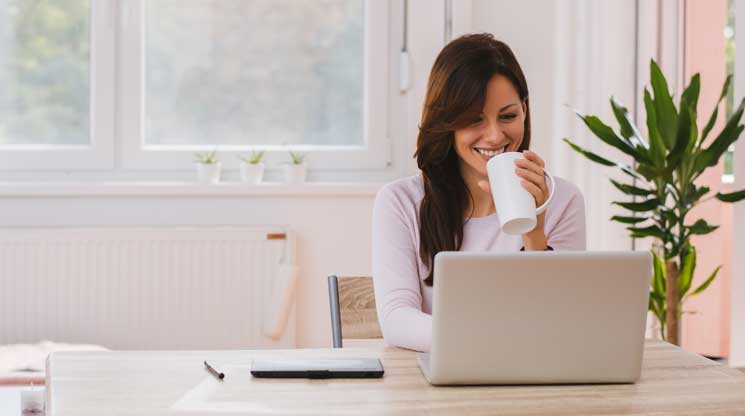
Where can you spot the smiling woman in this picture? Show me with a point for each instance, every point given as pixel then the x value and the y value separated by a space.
pixel 476 107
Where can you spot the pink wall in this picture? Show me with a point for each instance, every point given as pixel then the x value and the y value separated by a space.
pixel 707 330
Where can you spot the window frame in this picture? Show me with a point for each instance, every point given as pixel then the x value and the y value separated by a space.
pixel 375 154
pixel 99 153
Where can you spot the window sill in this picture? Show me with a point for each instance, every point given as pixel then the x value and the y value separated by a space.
pixel 159 189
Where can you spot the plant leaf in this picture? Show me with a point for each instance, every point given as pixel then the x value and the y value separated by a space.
pixel 628 128
pixel 628 220
pixel 731 132
pixel 667 116
pixel 647 205
pixel 691 93
pixel 607 135
pixel 668 215
pixel 656 144
pixel 603 161
pixel 707 282
pixel 688 266
pixel 660 275
pixel 592 156
pixel 651 231
pixel 631 190
pixel 701 227
pixel 686 134
pixel 731 196
pixel 697 193
pixel 656 296
pixel 713 118
pixel 657 305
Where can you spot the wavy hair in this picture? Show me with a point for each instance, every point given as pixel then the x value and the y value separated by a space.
pixel 455 98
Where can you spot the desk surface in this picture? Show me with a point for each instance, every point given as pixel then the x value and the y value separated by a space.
pixel 152 383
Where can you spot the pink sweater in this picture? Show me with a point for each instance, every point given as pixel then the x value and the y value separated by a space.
pixel 404 302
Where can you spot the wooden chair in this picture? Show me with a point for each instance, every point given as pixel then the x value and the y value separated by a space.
pixel 353 313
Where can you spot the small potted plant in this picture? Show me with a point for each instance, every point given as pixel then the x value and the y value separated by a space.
pixel 208 167
pixel 252 167
pixel 296 171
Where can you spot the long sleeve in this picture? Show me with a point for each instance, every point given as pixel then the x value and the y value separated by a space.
pixel 566 230
pixel 395 275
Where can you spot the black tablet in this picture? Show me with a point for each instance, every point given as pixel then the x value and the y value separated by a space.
pixel 321 368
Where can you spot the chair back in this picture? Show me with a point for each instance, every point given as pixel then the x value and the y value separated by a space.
pixel 353 313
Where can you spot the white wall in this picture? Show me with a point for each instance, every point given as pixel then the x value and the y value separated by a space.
pixel 333 229
pixel 575 55
pixel 574 52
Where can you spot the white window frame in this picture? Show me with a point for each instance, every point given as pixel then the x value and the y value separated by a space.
pixel 375 154
pixel 99 154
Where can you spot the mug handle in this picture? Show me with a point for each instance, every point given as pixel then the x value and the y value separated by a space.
pixel 552 188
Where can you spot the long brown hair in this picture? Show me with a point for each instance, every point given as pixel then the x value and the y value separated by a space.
pixel 455 98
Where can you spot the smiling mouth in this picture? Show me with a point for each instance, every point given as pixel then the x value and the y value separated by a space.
pixel 489 153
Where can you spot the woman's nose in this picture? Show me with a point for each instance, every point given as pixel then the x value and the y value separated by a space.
pixel 494 133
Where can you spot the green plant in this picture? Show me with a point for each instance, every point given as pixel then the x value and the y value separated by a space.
pixel 297 157
pixel 667 164
pixel 255 157
pixel 207 158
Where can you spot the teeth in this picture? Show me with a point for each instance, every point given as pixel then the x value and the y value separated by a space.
pixel 490 153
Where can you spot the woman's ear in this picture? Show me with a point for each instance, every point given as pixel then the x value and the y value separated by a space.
pixel 525 105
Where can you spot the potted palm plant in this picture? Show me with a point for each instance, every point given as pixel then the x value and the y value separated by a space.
pixel 208 167
pixel 252 167
pixel 667 163
pixel 296 171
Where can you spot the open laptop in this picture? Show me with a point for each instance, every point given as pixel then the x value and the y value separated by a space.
pixel 538 317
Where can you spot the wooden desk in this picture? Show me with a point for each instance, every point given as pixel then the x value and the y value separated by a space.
pixel 150 383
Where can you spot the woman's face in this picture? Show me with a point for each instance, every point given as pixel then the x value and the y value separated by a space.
pixel 500 128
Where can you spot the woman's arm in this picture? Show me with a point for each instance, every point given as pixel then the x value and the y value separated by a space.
pixel 395 273
pixel 565 227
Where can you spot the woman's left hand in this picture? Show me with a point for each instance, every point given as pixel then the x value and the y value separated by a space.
pixel 530 170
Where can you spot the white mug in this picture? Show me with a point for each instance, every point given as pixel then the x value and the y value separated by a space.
pixel 515 205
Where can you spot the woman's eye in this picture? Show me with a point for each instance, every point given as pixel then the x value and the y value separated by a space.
pixel 477 121
pixel 508 117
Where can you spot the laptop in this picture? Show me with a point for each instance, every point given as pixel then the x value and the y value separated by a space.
pixel 538 318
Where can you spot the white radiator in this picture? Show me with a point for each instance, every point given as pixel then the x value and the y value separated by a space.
pixel 148 288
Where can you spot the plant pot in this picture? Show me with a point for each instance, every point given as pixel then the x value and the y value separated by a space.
pixel 208 173
pixel 295 173
pixel 252 172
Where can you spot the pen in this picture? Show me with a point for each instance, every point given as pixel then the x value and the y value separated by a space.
pixel 214 372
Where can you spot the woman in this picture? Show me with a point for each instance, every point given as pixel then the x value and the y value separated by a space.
pixel 476 107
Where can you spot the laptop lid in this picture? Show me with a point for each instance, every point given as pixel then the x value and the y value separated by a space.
pixel 539 317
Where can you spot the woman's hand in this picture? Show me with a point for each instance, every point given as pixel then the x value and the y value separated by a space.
pixel 530 170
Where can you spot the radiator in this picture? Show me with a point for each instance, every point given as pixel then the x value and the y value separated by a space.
pixel 148 288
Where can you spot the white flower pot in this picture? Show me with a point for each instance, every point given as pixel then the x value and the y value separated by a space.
pixel 295 173
pixel 208 173
pixel 252 172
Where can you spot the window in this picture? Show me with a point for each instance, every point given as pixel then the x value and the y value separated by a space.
pixel 44 71
pixel 49 82
pixel 257 74
pixel 260 72
pixel 142 84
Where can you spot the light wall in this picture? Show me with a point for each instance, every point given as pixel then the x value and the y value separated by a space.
pixel 333 231
pixel 576 53
pixel 333 228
